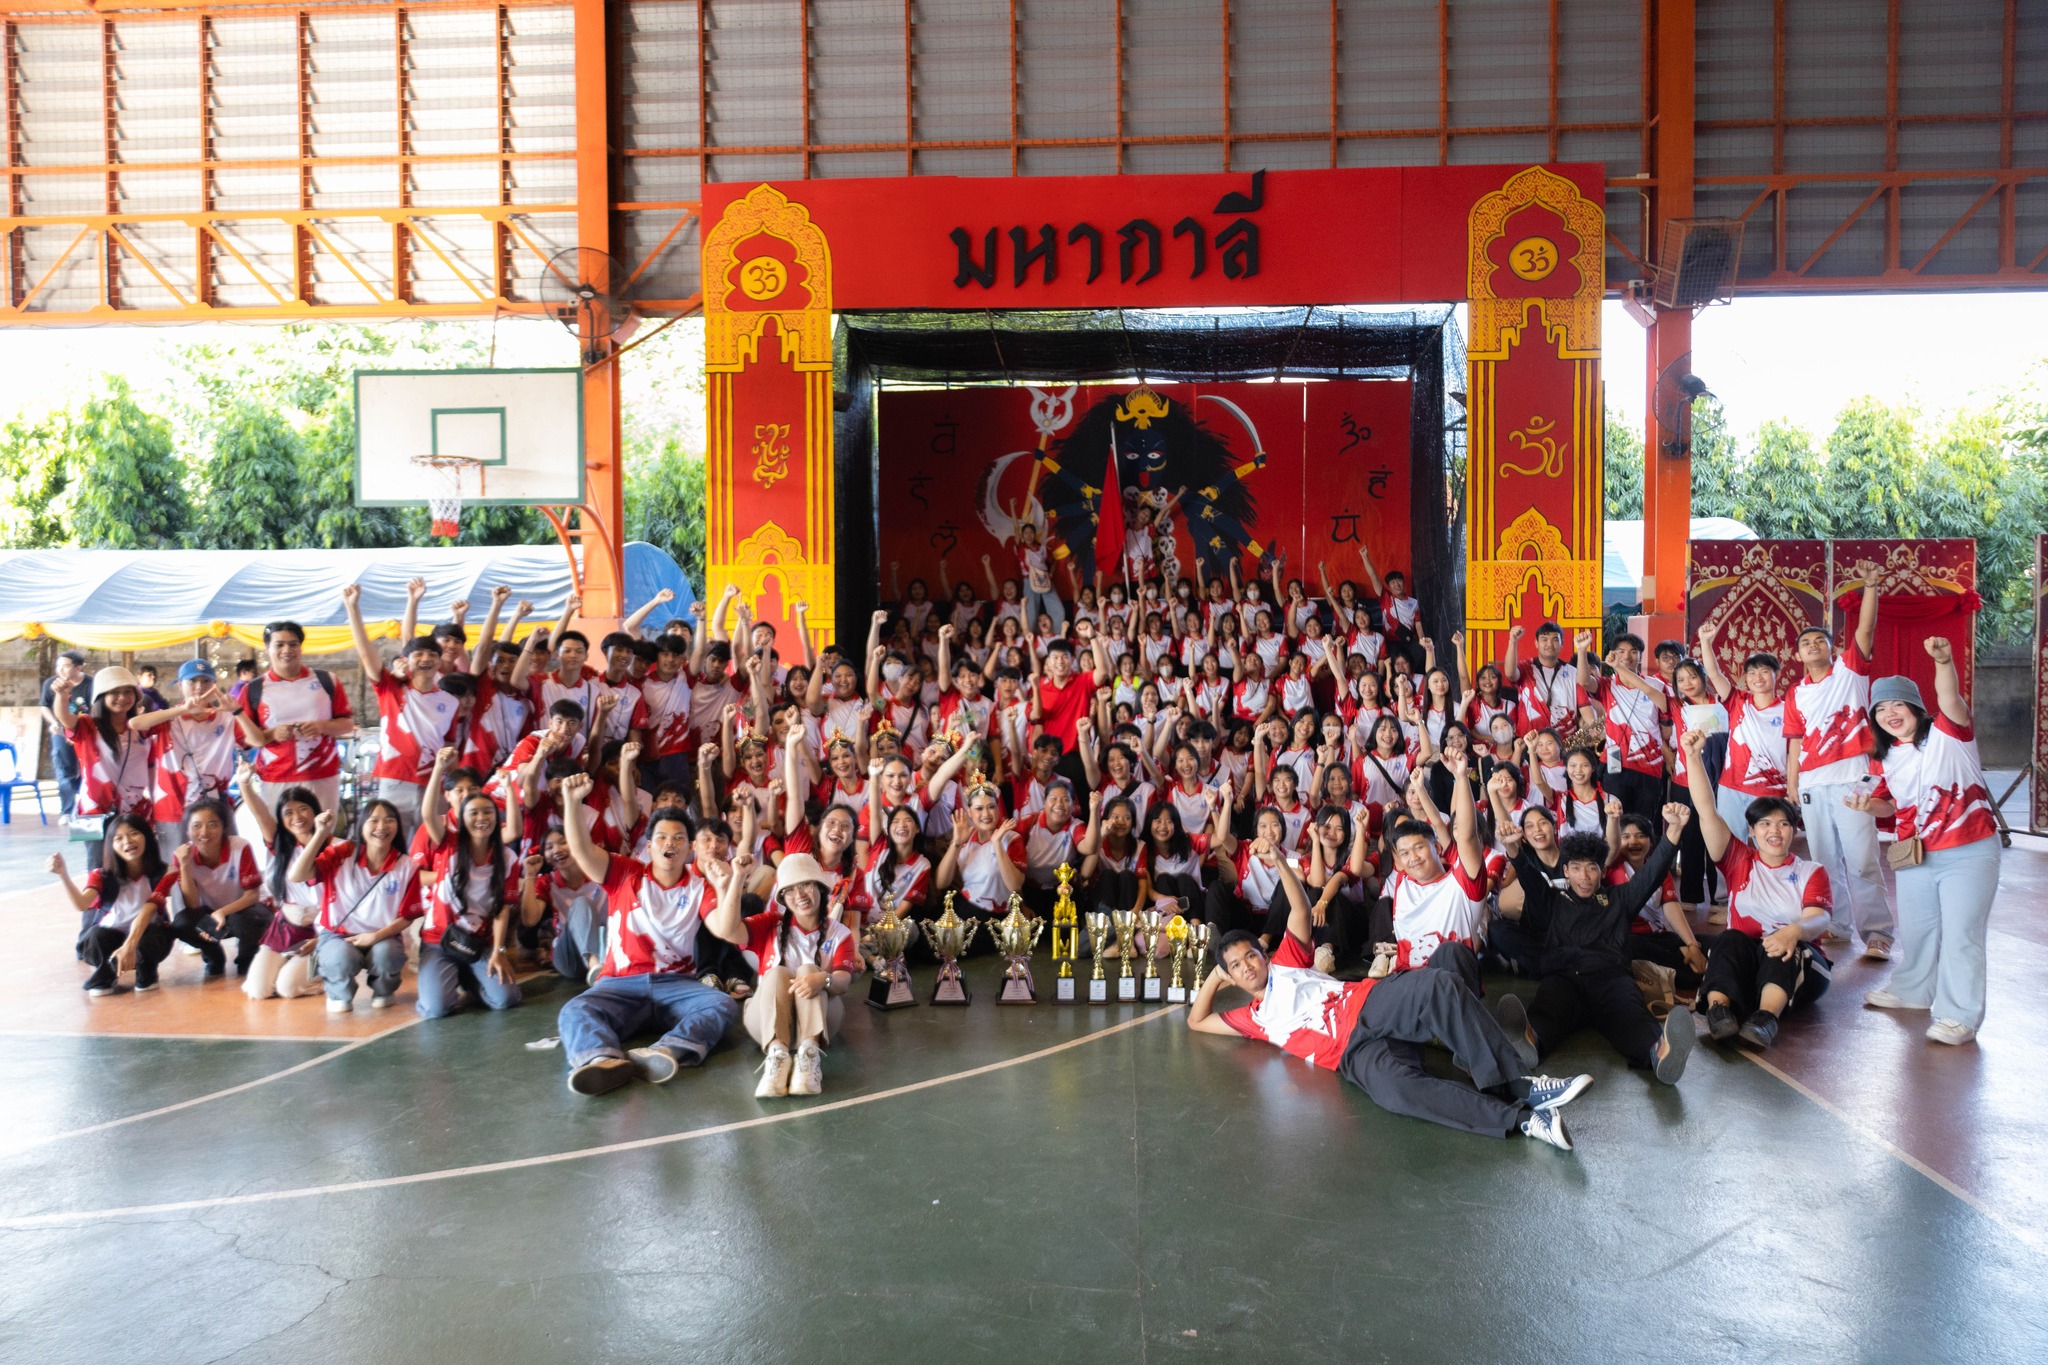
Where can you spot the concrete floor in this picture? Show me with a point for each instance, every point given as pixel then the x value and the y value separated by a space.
pixel 1073 1184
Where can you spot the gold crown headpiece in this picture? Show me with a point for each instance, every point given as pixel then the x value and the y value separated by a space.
pixel 1142 407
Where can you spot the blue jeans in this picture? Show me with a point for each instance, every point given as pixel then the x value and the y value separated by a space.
pixel 578 937
pixel 693 1017
pixel 64 764
pixel 1944 906
pixel 441 976
pixel 341 960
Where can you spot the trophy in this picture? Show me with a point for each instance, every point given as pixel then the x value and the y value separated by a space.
pixel 1098 939
pixel 949 936
pixel 1066 938
pixel 1198 940
pixel 1127 952
pixel 1153 985
pixel 884 942
pixel 1015 937
pixel 1177 934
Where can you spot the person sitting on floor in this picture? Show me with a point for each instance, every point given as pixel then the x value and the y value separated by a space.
pixel 128 929
pixel 369 890
pixel 1584 929
pixel 473 902
pixel 1372 1032
pixel 283 965
pixel 804 959
pixel 1768 959
pixel 217 893
pixel 649 972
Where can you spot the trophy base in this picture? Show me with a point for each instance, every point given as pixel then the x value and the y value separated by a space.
pixel 1176 995
pixel 1127 988
pixel 1098 992
pixel 951 991
pixel 1153 987
pixel 891 993
pixel 1017 992
pixel 1063 990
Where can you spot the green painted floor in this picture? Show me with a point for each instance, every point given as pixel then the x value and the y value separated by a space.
pixel 1147 1195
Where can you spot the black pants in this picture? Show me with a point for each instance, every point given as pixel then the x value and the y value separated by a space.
pixel 1639 794
pixel 1739 968
pixel 1344 930
pixel 1114 891
pixel 97 946
pixel 1666 949
pixel 1608 1001
pixel 245 927
pixel 1696 876
pixel 1210 904
pixel 716 957
pixel 1384 1055
pixel 1232 912
pixel 1515 948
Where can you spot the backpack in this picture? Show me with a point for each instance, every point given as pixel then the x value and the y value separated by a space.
pixel 252 695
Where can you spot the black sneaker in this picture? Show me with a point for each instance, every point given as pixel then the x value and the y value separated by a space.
pixel 1721 1025
pixel 103 981
pixel 1677 1045
pixel 1761 1030
pixel 600 1075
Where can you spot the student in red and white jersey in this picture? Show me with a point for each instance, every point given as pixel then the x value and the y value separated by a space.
pixel 125 928
pixel 369 890
pixel 1768 959
pixel 649 973
pixel 419 718
pixel 192 748
pixel 1372 1032
pixel 293 714
pixel 1053 838
pixel 475 896
pixel 502 712
pixel 1660 932
pixel 898 872
pixel 664 713
pixel 214 891
pixel 1547 691
pixel 1439 910
pixel 1755 765
pixel 1258 885
pixel 985 860
pixel 1061 695
pixel 1632 709
pixel 805 959
pixel 1933 784
pixel 554 892
pixel 616 697
pixel 1827 743
pixel 113 759
pixel 1251 696
pixel 559 738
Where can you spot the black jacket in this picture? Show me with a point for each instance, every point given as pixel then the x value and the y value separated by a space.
pixel 1587 936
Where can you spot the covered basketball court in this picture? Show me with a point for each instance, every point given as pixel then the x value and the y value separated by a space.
pixel 852 196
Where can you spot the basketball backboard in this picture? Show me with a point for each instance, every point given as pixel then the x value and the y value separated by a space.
pixel 524 428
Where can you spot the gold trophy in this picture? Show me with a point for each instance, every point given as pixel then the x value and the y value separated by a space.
pixel 949 936
pixel 884 942
pixel 1015 937
pixel 1066 938
pixel 1154 988
pixel 1198 940
pixel 1127 952
pixel 1098 939
pixel 1177 935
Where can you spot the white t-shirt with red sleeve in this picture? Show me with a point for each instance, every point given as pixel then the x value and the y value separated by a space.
pixel 1303 1011
pixel 126 904
pixel 1635 723
pixel 1046 848
pixel 113 779
pixel 1547 698
pixel 910 880
pixel 653 928
pixel 980 880
pixel 1756 747
pixel 664 714
pixel 1939 787
pixel 193 759
pixel 770 944
pixel 298 701
pixel 1762 898
pixel 416 726
pixel 231 875
pixel 1831 721
pixel 1427 915
pixel 477 906
pixel 355 899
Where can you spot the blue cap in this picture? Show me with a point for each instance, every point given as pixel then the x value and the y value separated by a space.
pixel 195 668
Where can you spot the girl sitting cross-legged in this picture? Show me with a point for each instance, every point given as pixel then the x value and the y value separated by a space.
pixel 128 931
pixel 474 900
pixel 368 890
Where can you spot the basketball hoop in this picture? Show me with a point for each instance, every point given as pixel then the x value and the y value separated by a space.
pixel 445 474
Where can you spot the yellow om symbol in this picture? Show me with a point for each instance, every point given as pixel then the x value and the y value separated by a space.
pixel 1548 461
pixel 771 453
pixel 762 278
pixel 1532 258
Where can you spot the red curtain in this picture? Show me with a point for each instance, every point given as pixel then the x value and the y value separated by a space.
pixel 1903 623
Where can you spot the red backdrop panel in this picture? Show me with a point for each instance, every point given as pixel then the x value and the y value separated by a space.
pixel 1929 588
pixel 1336 474
pixel 1759 594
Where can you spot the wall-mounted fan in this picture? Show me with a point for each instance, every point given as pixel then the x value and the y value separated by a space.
pixel 584 289
pixel 1677 389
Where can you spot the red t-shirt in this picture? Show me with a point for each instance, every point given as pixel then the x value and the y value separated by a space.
pixel 1062 706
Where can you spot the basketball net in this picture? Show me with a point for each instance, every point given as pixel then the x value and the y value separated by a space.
pixel 444 474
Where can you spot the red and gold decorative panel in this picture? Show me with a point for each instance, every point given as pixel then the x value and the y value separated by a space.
pixel 1928 588
pixel 1758 594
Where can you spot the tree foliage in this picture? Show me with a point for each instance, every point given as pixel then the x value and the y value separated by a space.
pixel 129 491
pixel 1623 469
pixel 1872 472
pixel 1778 486
pixel 665 504
pixel 251 493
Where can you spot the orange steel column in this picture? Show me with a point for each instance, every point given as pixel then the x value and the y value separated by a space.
pixel 604 483
pixel 1667 477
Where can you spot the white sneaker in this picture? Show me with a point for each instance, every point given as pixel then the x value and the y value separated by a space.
pixel 339 1006
pixel 380 1002
pixel 1326 959
pixel 1547 1125
pixel 774 1074
pixel 1383 957
pixel 1885 1000
pixel 1950 1031
pixel 808 1077
pixel 1878 947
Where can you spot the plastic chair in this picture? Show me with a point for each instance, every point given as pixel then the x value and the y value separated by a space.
pixel 10 778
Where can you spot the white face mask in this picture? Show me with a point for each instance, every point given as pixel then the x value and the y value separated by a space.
pixel 892 672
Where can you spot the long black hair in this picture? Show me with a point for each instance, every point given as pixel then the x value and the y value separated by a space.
pixel 1883 739
pixel 284 845
pixel 113 872
pixel 885 870
pixel 459 865
pixel 782 953
pixel 1178 845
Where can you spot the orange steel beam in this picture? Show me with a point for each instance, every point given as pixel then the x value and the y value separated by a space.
pixel 1667 475
pixel 603 518
pixel 132 11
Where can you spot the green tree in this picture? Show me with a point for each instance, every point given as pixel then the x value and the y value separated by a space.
pixel 1716 467
pixel 1872 470
pixel 665 504
pixel 1780 493
pixel 252 496
pixel 328 469
pixel 38 462
pixel 130 491
pixel 1622 469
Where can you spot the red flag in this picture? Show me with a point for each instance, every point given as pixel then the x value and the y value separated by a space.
pixel 1109 521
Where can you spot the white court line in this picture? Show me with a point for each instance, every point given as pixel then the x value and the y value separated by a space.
pixel 307 1065
pixel 2026 1235
pixel 43 1220
pixel 192 1037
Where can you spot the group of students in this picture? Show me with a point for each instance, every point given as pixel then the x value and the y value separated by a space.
pixel 696 830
